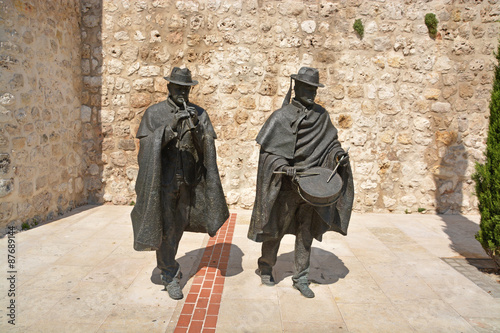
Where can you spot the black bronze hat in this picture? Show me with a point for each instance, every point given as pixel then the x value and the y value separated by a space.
pixel 309 76
pixel 181 76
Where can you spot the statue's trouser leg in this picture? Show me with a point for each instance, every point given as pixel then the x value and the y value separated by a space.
pixel 303 242
pixel 269 255
pixel 176 204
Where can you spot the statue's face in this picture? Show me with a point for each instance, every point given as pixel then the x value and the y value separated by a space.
pixel 178 93
pixel 305 93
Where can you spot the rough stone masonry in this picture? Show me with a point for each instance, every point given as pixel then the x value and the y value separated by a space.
pixel 413 109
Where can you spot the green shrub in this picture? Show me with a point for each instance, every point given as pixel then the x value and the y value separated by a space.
pixel 431 22
pixel 487 177
pixel 358 27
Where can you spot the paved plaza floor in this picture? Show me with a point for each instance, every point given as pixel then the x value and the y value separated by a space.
pixel 391 273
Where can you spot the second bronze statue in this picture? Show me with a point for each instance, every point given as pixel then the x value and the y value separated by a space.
pixel 299 137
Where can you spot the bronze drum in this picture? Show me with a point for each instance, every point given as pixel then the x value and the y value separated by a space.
pixel 314 188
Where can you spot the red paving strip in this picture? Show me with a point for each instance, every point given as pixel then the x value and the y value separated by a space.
pixel 201 308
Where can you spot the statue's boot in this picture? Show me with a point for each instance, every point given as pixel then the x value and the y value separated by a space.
pixel 304 289
pixel 301 283
pixel 266 278
pixel 172 285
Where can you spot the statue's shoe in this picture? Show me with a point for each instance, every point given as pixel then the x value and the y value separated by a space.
pixel 266 279
pixel 304 289
pixel 174 290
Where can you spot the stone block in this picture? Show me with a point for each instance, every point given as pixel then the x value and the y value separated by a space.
pixel 241 116
pixel 355 92
pixel 6 211
pixel 345 121
pixel 143 84
pixel 432 93
pixel 139 100
pixel 148 71
pixel 338 91
pixel 25 188
pixel 269 86
pixel 6 187
pixel 404 139
pixel 465 90
pixel 127 144
pixel 118 158
pixel 18 143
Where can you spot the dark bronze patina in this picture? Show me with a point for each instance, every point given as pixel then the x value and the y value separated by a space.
pixel 295 140
pixel 178 186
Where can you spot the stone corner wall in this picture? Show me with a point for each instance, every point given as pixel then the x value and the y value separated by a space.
pixel 413 109
pixel 41 156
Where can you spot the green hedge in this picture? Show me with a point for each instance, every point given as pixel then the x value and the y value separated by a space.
pixel 487 176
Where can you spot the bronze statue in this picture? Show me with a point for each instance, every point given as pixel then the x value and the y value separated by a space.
pixel 299 147
pixel 178 186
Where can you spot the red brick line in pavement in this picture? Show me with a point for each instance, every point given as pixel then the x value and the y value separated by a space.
pixel 201 308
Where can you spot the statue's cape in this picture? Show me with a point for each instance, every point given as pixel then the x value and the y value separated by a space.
pixel 209 209
pixel 302 138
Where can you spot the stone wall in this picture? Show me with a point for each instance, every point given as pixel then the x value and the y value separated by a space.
pixel 41 156
pixel 413 109
pixel 76 78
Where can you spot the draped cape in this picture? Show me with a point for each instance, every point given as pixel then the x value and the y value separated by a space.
pixel 208 210
pixel 296 136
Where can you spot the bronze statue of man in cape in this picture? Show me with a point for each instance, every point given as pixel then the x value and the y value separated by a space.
pixel 178 186
pixel 296 138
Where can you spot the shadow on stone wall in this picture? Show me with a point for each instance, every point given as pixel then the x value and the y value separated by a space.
pixel 93 132
pixel 449 174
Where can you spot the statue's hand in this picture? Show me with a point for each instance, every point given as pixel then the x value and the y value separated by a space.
pixel 178 116
pixel 342 158
pixel 193 114
pixel 290 171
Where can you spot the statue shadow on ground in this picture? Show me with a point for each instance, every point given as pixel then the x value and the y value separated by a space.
pixel 190 263
pixel 325 267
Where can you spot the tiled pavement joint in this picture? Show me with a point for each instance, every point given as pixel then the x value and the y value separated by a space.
pixel 201 307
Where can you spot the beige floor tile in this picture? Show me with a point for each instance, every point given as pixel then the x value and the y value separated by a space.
pixel 261 316
pixel 137 318
pixel 88 302
pixel 433 316
pixel 384 318
pixel 57 278
pixel 337 247
pixel 400 283
pixel 117 269
pixel 313 326
pixel 410 251
pixel 89 253
pixel 295 307
pixel 358 286
pixel 468 299
pixel 115 231
pixel 49 326
pixel 485 325
pixel 29 266
pixel 146 293
pixel 247 285
pixel 50 247
pixel 34 304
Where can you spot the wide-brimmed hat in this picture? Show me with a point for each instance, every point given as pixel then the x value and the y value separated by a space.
pixel 181 76
pixel 309 76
